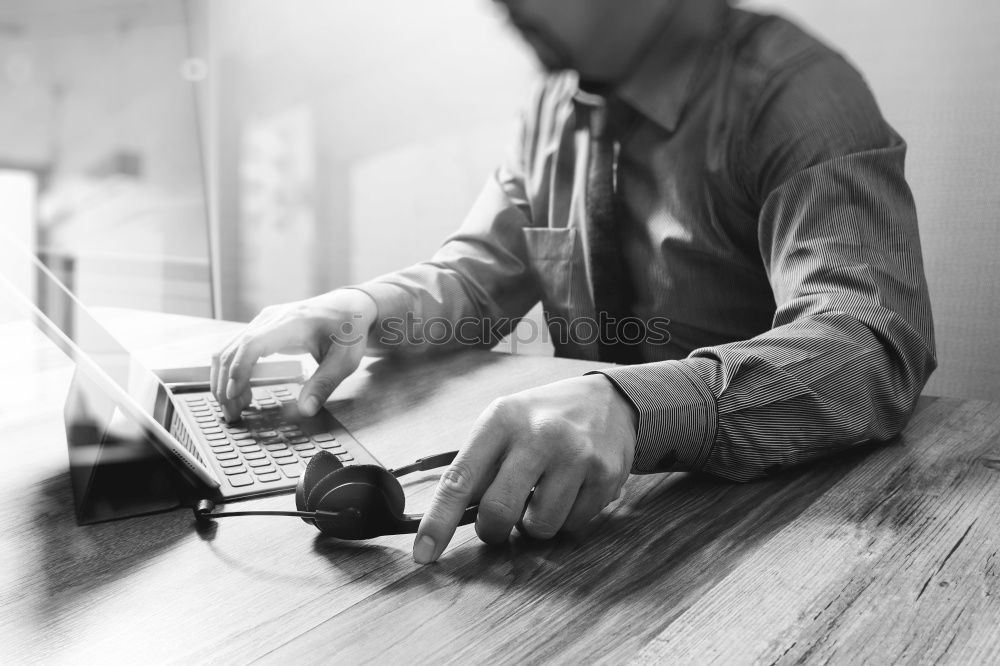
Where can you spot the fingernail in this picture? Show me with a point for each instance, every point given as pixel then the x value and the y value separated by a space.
pixel 309 406
pixel 423 550
pixel 230 389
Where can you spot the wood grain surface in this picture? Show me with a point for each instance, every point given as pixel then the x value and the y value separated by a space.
pixel 886 555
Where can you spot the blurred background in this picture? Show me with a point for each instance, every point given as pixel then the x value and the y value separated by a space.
pixel 211 157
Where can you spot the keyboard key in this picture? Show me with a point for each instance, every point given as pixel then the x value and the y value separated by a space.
pixel 267 478
pixel 292 471
pixel 276 446
pixel 260 462
pixel 299 440
pixel 237 431
pixel 214 430
pixel 226 464
pixel 308 454
pixel 227 456
pixel 206 421
pixel 203 410
pixel 255 455
pixel 216 436
pixel 288 428
pixel 282 454
pixel 267 434
pixel 304 447
pixel 345 457
pixel 261 471
pixel 230 471
pixel 332 446
pixel 194 400
pixel 222 447
pixel 240 480
pixel 288 460
pixel 323 437
pixel 242 436
pixel 248 447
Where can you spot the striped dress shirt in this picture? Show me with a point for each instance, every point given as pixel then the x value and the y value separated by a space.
pixel 767 226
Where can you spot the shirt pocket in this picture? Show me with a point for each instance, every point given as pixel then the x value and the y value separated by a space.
pixel 555 264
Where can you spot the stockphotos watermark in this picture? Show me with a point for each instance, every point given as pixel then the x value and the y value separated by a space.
pixel 413 331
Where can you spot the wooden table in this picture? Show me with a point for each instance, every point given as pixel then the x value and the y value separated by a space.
pixel 886 555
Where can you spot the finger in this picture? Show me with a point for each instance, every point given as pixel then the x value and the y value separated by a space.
pixel 503 502
pixel 229 410
pixel 232 406
pixel 471 471
pixel 334 368
pixel 590 501
pixel 240 403
pixel 242 362
pixel 222 373
pixel 213 374
pixel 217 379
pixel 237 367
pixel 550 504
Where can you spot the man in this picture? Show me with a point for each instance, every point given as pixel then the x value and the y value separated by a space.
pixel 683 161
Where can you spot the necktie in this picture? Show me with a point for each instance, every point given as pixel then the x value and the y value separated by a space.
pixel 609 276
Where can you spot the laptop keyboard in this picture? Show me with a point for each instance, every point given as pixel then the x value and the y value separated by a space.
pixel 271 444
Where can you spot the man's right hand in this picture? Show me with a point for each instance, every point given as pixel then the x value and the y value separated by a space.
pixel 332 327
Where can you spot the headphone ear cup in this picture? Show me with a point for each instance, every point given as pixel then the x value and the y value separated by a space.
pixel 377 477
pixel 370 491
pixel 388 485
pixel 321 466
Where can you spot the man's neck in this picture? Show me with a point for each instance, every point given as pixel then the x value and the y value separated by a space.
pixel 659 79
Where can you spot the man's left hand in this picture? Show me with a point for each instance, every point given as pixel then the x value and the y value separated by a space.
pixel 572 441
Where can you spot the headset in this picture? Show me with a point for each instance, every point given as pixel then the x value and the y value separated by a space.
pixel 353 502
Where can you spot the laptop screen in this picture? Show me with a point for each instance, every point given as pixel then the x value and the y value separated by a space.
pixel 113 399
pixel 79 335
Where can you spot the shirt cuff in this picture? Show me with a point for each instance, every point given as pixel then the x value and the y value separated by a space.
pixel 391 300
pixel 678 416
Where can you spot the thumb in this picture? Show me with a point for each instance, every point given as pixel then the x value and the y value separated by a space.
pixel 334 368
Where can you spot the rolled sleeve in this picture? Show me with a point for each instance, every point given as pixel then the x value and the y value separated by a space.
pixel 677 414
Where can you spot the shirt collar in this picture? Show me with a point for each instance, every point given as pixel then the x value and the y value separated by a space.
pixel 660 85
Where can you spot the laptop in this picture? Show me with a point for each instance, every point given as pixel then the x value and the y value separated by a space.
pixel 265 452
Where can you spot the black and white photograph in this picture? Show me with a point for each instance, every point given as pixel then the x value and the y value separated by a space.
pixel 499 332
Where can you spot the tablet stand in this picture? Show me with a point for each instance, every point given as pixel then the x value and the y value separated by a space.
pixel 114 477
